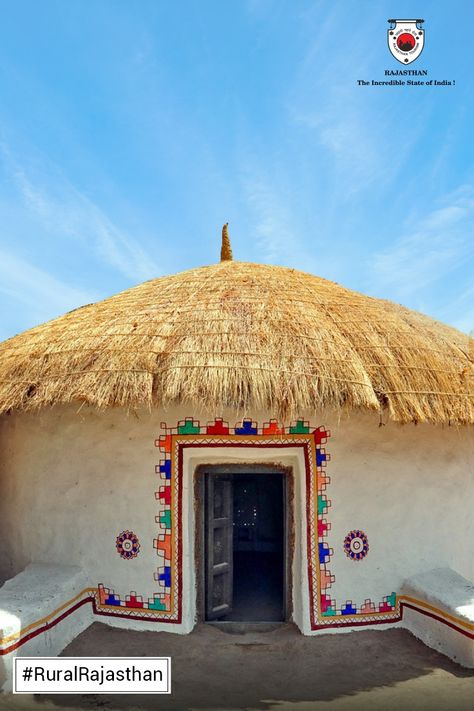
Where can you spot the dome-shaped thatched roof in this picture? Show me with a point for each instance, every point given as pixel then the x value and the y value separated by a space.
pixel 260 338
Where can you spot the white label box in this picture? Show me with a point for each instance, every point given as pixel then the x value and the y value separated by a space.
pixel 92 675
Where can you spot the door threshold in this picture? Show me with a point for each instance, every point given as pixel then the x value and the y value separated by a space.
pixel 237 627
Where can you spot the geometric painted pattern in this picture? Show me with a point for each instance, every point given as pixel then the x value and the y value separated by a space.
pixel 328 612
pixel 9 643
pixel 166 603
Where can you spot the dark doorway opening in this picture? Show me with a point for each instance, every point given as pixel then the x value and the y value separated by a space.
pixel 245 547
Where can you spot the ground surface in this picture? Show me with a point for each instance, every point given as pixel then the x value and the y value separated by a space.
pixel 276 671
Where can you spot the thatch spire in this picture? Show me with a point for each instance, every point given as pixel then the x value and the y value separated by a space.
pixel 226 249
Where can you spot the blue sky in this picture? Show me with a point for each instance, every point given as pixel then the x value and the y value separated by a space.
pixel 130 131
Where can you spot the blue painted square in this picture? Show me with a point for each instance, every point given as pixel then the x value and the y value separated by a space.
pixel 349 609
pixel 112 600
pixel 323 552
pixel 166 468
pixel 166 576
pixel 246 429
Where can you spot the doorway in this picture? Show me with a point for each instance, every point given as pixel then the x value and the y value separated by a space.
pixel 245 524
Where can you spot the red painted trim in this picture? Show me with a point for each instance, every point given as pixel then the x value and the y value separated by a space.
pixel 313 622
pixel 180 532
pixel 361 623
pixel 421 610
pixel 106 613
pixel 47 626
pixel 95 610
pixel 263 445
pixel 438 618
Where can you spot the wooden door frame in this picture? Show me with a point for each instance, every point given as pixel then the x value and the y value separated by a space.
pixel 200 518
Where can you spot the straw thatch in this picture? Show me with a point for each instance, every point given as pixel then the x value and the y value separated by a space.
pixel 248 336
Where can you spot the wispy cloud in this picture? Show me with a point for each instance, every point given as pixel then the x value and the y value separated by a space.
pixel 43 294
pixel 323 101
pixel 462 311
pixel 357 130
pixel 258 8
pixel 271 218
pixel 66 211
pixel 430 248
pixel 277 227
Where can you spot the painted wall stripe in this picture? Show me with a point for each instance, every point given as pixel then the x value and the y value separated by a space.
pixel 42 620
pixel 44 628
pixel 420 606
pixel 415 604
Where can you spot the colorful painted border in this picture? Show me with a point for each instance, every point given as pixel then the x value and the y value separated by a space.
pixel 166 604
pixel 11 643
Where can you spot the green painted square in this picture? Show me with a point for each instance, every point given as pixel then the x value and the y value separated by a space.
pixel 165 519
pixel 391 599
pixel 299 428
pixel 157 604
pixel 189 428
pixel 330 612
pixel 322 505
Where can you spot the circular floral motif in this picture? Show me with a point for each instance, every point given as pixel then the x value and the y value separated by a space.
pixel 356 545
pixel 127 545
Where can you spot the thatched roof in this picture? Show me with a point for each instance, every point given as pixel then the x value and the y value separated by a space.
pixel 248 336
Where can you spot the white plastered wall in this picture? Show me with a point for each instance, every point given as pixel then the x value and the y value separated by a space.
pixel 411 490
pixel 71 482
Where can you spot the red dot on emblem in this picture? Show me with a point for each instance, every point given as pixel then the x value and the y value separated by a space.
pixel 406 41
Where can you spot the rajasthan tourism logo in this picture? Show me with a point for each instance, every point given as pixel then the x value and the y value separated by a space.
pixel 406 39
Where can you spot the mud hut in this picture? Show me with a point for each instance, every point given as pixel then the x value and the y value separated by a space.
pixel 237 442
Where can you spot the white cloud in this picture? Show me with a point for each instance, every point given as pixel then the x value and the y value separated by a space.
pixel 355 129
pixel 40 291
pixel 259 8
pixel 277 226
pixel 272 229
pixel 67 212
pixel 462 311
pixel 430 248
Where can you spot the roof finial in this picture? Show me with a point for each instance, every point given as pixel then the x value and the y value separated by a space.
pixel 226 249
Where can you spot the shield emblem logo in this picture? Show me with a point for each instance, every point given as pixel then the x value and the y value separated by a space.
pixel 406 39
